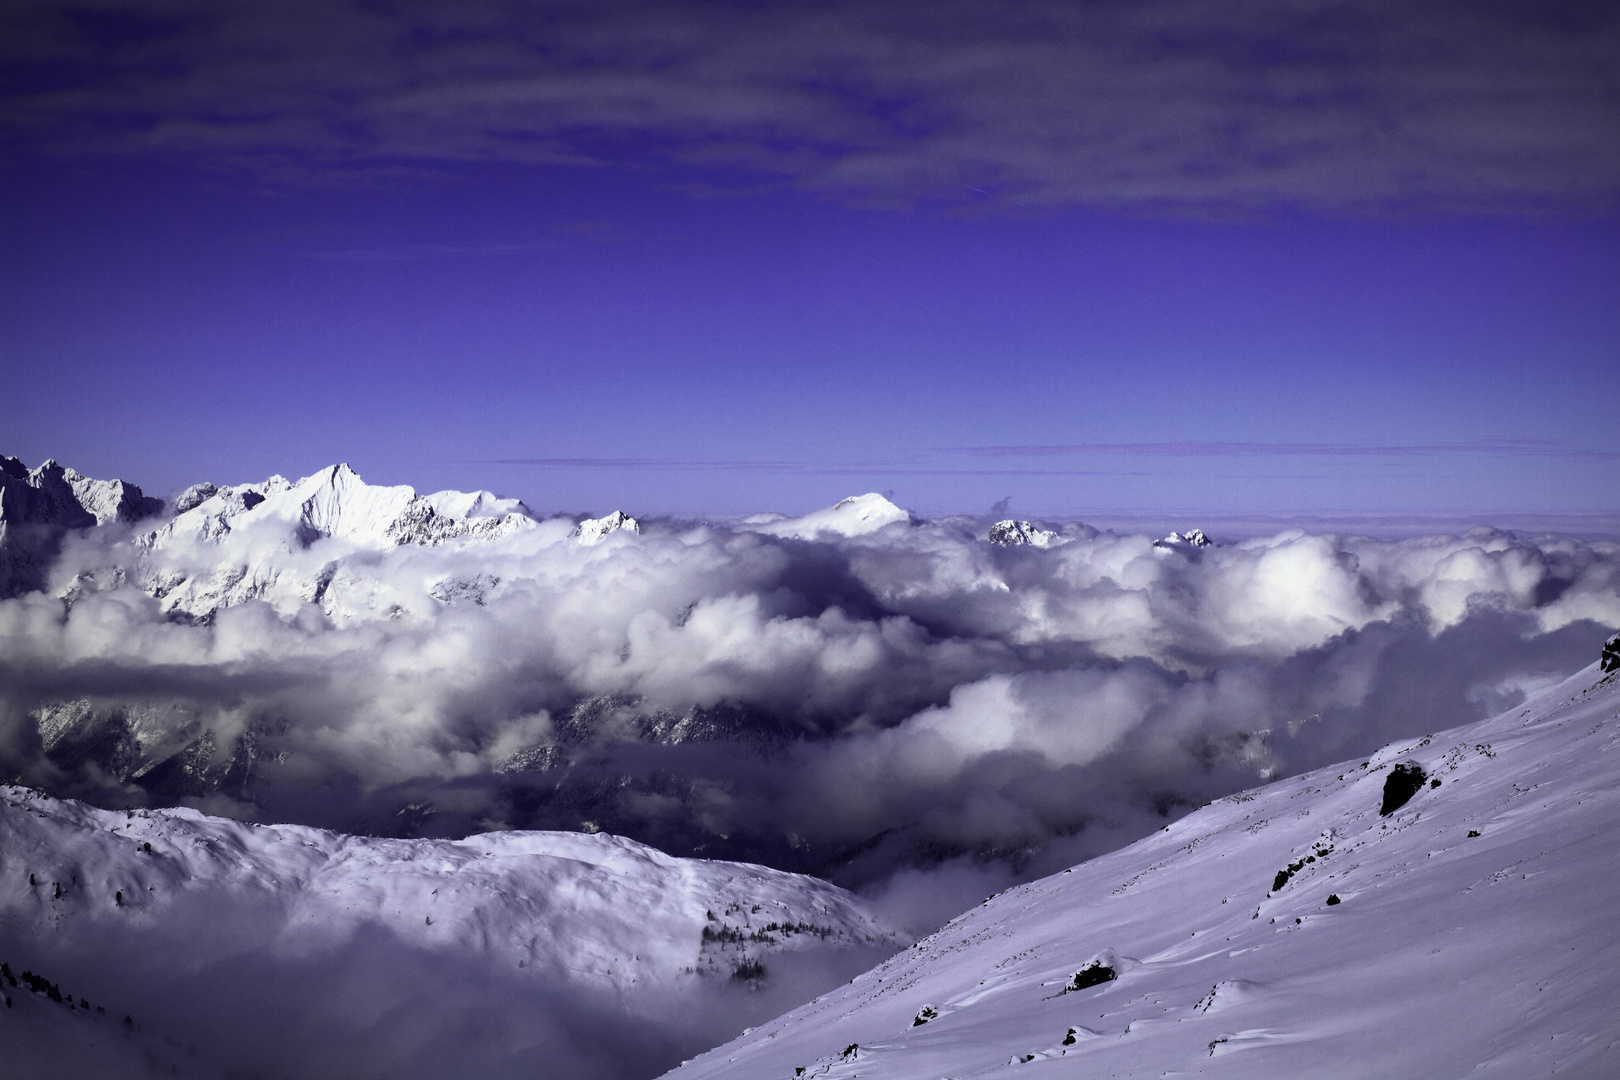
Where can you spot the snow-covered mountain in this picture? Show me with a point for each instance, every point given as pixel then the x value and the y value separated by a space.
pixel 288 951
pixel 1192 538
pixel 593 531
pixel 1012 533
pixel 214 547
pixel 54 495
pixel 858 515
pixel 39 506
pixel 1444 907
pixel 336 503
pixel 225 546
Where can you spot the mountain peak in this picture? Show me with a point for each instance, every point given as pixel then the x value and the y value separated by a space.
pixel 64 498
pixel 857 515
pixel 593 531
pixel 1012 533
pixel 1192 538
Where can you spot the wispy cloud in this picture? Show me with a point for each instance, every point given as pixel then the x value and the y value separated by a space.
pixel 1176 106
pixel 571 234
pixel 795 468
pixel 940 463
pixel 427 251
pixel 1496 447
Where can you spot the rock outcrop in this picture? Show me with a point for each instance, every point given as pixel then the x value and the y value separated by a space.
pixel 1011 533
pixel 1192 538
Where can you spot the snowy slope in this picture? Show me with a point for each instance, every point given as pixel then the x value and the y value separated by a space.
pixel 1290 931
pixel 68 1035
pixel 391 957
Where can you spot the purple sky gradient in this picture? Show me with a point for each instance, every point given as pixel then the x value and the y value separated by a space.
pixel 661 269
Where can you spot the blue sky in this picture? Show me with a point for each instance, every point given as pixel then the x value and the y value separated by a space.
pixel 737 296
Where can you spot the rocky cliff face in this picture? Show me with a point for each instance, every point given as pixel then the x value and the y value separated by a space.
pixel 57 496
pixel 38 507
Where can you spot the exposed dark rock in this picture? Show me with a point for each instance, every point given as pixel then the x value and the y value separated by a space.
pixel 1404 781
pixel 1093 974
pixel 1285 873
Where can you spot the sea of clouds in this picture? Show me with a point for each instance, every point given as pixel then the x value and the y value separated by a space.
pixel 911 711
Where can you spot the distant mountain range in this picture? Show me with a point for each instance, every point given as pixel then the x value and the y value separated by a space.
pixel 356 552
pixel 261 641
pixel 212 547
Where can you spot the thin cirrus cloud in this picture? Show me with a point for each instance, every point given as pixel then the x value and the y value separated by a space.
pixel 425 251
pixel 1174 106
pixel 1494 447
pixel 802 468
pixel 797 468
pixel 923 465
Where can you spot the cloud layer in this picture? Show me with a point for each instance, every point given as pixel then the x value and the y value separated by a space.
pixel 849 692
pixel 1160 106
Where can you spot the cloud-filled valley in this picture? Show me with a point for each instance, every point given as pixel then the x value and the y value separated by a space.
pixel 855 692
pixel 1273 338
